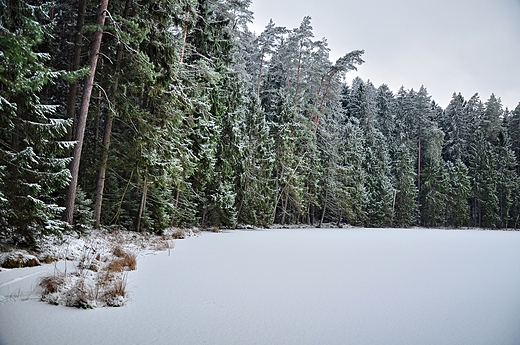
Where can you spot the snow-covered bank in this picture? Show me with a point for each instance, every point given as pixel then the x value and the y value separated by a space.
pixel 299 286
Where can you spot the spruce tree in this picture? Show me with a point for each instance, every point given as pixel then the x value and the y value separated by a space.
pixel 433 195
pixel 457 193
pixel 32 163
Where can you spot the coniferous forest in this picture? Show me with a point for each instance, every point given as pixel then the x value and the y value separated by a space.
pixel 146 114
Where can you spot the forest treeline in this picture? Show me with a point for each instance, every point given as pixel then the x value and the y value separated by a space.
pixel 155 113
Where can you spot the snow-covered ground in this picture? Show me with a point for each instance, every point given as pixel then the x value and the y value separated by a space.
pixel 295 286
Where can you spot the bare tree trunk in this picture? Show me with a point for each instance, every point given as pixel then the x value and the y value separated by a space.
pixel 143 203
pixel 298 80
pixel 286 202
pixel 51 12
pixel 260 75
pixel 313 113
pixel 71 105
pixel 277 200
pixel 419 165
pixel 83 112
pixel 100 183
pixel 324 208
pixel 97 123
pixel 325 94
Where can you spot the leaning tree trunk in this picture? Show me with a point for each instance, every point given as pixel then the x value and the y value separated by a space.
pixel 142 205
pixel 100 183
pixel 82 116
pixel 71 106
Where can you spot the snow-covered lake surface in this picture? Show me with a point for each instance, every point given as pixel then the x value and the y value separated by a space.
pixel 296 286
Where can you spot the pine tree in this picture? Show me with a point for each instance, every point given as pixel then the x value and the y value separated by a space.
pixel 83 113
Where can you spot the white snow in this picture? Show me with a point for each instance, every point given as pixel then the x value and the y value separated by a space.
pixel 296 286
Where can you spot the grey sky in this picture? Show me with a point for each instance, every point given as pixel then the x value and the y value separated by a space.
pixel 448 46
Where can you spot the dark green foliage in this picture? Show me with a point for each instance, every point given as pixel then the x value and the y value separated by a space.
pixel 405 206
pixel 435 181
pixel 484 200
pixel 32 163
pixel 457 194
pixel 196 121
pixel 256 186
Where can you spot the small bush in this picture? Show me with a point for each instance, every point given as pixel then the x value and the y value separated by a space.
pixel 81 295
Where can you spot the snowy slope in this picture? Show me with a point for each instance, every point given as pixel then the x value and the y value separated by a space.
pixel 299 286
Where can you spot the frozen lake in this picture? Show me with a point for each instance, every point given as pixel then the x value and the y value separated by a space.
pixel 298 286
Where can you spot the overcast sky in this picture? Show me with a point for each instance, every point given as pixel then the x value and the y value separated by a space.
pixel 467 46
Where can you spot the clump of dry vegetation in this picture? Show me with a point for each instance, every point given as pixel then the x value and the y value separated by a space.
pixel 99 280
pixel 124 261
pixel 102 261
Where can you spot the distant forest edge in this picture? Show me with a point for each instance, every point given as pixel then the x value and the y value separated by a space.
pixel 158 113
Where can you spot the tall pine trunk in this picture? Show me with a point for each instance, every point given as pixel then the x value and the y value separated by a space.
pixel 259 79
pixel 82 116
pixel 324 208
pixel 142 205
pixel 100 183
pixel 71 105
pixel 298 80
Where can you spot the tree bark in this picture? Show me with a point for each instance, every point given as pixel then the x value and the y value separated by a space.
pixel 260 74
pixel 285 203
pixel 298 79
pixel 419 165
pixel 82 116
pixel 325 94
pixel 324 208
pixel 71 105
pixel 100 183
pixel 143 203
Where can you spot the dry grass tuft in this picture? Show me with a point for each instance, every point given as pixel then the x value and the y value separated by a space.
pixel 49 259
pixel 115 295
pixel 119 251
pixel 116 265
pixel 160 245
pixel 51 284
pixel 124 260
pixel 178 234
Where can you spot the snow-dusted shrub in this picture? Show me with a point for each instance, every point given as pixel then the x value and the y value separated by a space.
pixel 99 279
pixel 83 294
pixel 115 294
